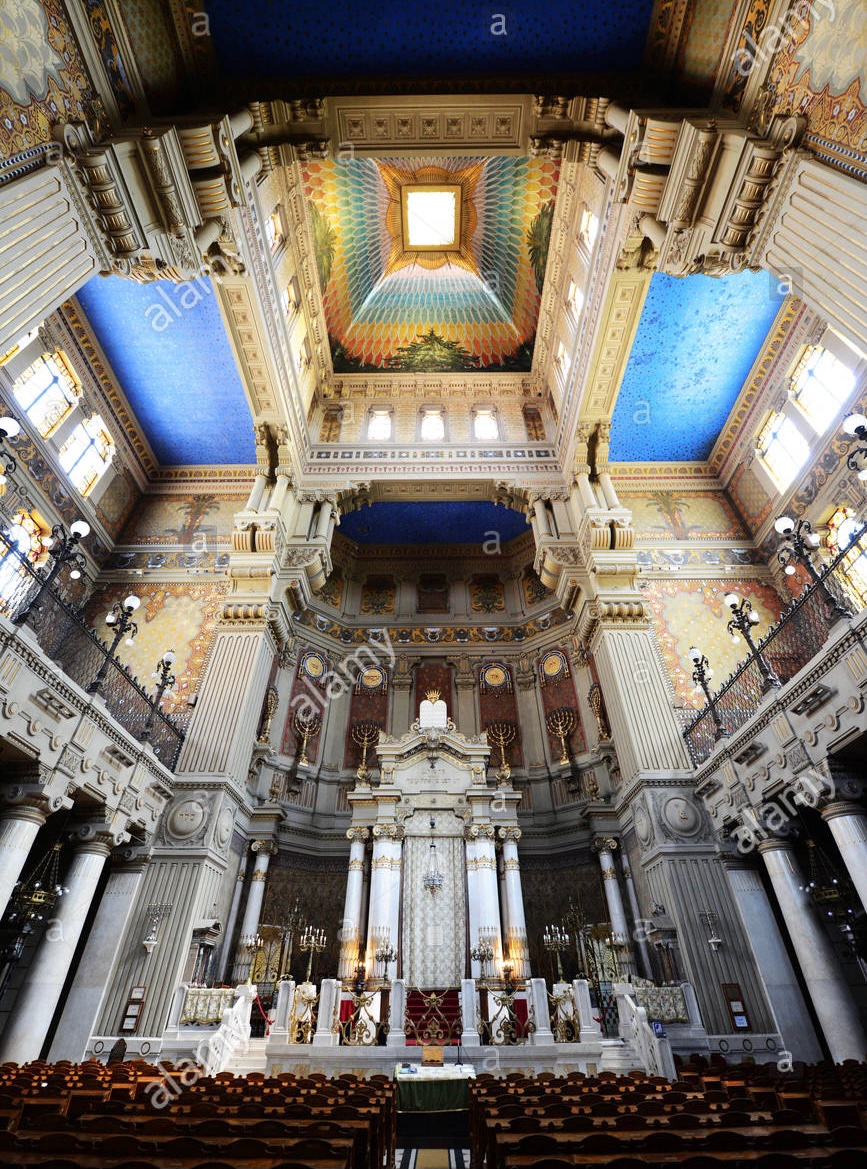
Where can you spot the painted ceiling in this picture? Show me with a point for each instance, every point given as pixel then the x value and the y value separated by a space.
pixel 281 38
pixel 433 523
pixel 387 308
pixel 169 351
pixel 697 340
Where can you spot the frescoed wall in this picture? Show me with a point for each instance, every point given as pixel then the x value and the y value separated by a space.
pixel 433 676
pixel 181 617
pixel 692 612
pixel 557 687
pixel 169 532
pixel 498 703
pixel 750 498
pixel 367 704
pixel 682 515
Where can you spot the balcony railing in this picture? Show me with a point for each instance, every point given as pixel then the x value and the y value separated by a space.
pixel 789 646
pixel 65 638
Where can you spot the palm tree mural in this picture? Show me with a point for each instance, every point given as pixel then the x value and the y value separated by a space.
pixel 193 511
pixel 538 239
pixel 324 244
pixel 671 509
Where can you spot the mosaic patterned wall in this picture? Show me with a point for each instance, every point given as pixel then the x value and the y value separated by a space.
pixel 496 705
pixel 181 617
pixel 302 687
pixel 699 56
pixel 42 76
pixel 750 497
pixel 683 515
pixel 556 693
pixel 692 612
pixel 549 884
pixel 364 705
pixel 478 310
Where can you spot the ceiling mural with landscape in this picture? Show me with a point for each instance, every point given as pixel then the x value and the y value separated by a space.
pixel 412 291
pixel 697 340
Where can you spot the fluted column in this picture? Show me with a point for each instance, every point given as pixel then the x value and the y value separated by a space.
pixel 264 850
pixel 19 827
pixel 848 825
pixel 772 960
pixel 515 925
pixel 827 986
pixel 37 1001
pixel 350 933
pixel 99 960
pixel 385 868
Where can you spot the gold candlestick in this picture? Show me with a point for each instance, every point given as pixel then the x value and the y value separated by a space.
pixel 561 723
pixel 306 725
pixel 364 734
pixel 501 734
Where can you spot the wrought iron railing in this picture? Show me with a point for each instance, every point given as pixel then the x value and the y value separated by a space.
pixel 511 1017
pixel 357 1025
pixel 433 1016
pixel 65 638
pixel 789 645
pixel 563 1017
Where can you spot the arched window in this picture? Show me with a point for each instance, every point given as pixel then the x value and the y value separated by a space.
pixel 432 427
pixel 821 384
pixel 843 527
pixel 87 453
pixel 783 448
pixel 485 427
pixel 379 426
pixel 46 392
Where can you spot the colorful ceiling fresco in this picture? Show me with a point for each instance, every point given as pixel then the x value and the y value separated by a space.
pixel 433 523
pixel 471 308
pixel 696 342
pixel 169 351
pixel 284 39
pixel 42 76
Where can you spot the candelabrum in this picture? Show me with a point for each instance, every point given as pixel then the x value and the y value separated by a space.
pixel 744 617
pixel 501 734
pixel 561 723
pixel 120 620
pixel 312 942
pixel 306 725
pixel 9 428
pixel 801 542
pixel 364 734
pixel 483 951
pixel 164 678
pixel 63 549
pixel 855 426
pixel 290 925
pixel 555 939
pixel 384 952
pixel 249 946
pixel 701 675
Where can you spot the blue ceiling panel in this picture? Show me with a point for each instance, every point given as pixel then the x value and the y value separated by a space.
pixel 453 38
pixel 168 347
pixel 697 340
pixel 433 523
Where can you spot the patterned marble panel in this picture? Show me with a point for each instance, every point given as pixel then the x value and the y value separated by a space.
pixel 692 612
pixel 558 692
pixel 434 944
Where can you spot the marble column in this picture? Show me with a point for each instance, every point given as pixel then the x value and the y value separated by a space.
pixel 640 940
pixel 323 520
pixel 99 960
pixel 827 986
pixel 616 911
pixel 515 925
pixel 482 890
pixel 350 930
pixel 772 960
pixel 37 1001
pixel 264 850
pixel 221 957
pixel 19 827
pixel 848 824
pixel 385 869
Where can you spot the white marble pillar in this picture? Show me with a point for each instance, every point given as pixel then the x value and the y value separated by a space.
pixel 98 962
pixel 828 989
pixel 37 1001
pixel 483 890
pixel 384 911
pixel 616 911
pixel 772 960
pixel 229 931
pixel 323 519
pixel 264 850
pixel 640 939
pixel 256 493
pixel 848 825
pixel 515 925
pixel 18 829
pixel 350 930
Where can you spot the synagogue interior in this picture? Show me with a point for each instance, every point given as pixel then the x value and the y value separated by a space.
pixel 497 791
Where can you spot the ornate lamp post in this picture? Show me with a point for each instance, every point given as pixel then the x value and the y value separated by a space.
pixel 120 620
pixel 164 678
pixel 9 428
pixel 556 940
pixel 312 942
pixel 385 954
pixel 701 675
pixel 744 617
pixel 801 541
pixel 63 549
pixel 855 425
pixel 560 723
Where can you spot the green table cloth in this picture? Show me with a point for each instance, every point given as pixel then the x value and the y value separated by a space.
pixel 442 1089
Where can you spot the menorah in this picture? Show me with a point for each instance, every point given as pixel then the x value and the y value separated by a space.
pixel 312 941
pixel 306 725
pixel 555 939
pixel 365 734
pixel 501 734
pixel 561 724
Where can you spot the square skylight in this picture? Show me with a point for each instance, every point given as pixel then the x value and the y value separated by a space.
pixel 431 218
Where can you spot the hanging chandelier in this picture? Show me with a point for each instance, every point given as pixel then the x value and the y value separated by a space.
pixel 433 878
pixel 833 896
pixel 36 896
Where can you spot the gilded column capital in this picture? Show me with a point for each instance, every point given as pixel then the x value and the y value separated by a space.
pixel 512 832
pixel 264 847
pixel 479 831
pixel 358 833
pixel 389 832
pixel 604 844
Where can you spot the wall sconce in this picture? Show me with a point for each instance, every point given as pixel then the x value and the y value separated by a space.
pixel 709 918
pixel 155 914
